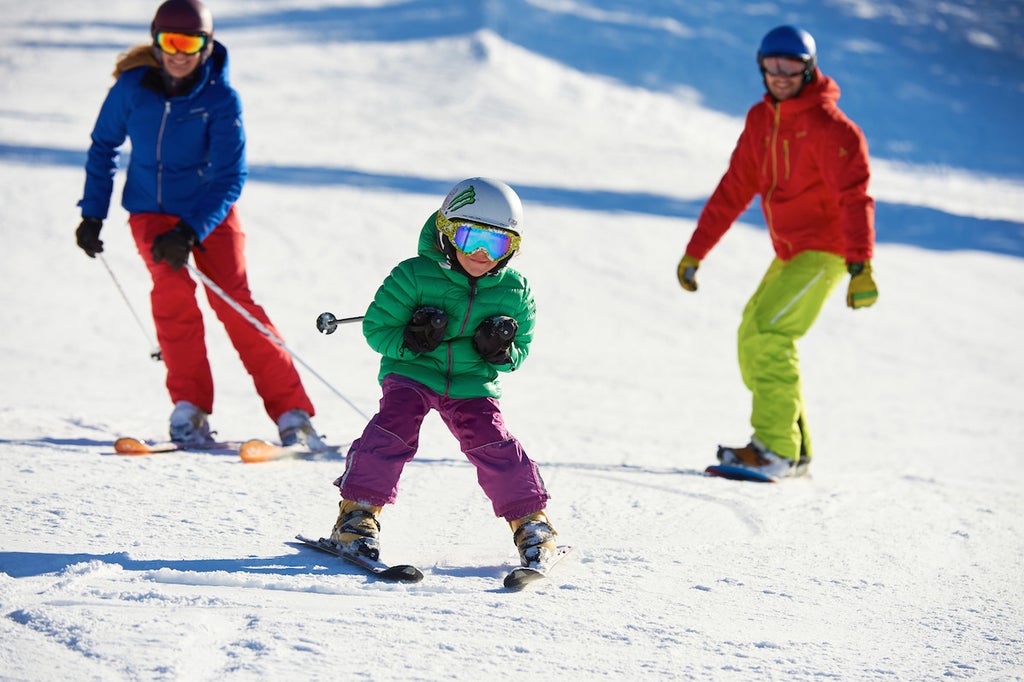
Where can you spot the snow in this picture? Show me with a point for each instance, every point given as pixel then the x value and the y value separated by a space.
pixel 900 558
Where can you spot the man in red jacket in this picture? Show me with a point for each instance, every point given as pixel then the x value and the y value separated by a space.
pixel 809 164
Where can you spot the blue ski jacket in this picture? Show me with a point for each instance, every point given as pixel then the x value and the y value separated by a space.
pixel 187 152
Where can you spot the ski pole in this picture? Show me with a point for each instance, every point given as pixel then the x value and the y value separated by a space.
pixel 327 323
pixel 153 354
pixel 212 286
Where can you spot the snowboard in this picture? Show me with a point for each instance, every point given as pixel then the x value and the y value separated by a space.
pixel 735 473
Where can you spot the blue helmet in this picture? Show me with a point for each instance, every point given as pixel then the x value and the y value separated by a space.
pixel 789 41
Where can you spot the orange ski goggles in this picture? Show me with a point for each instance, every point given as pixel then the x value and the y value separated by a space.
pixel 186 43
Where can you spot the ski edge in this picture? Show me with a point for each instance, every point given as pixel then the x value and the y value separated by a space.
pixel 406 573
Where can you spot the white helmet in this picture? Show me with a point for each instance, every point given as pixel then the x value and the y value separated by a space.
pixel 485 201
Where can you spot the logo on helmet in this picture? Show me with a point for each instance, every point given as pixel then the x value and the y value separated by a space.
pixel 463 198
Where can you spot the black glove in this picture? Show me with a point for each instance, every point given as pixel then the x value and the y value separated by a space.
pixel 493 338
pixel 88 236
pixel 174 245
pixel 425 330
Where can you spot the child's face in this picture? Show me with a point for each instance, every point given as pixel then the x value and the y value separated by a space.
pixel 477 264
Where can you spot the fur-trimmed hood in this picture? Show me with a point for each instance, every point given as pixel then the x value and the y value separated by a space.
pixel 140 55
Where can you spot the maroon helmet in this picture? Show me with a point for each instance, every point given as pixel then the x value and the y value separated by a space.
pixel 184 16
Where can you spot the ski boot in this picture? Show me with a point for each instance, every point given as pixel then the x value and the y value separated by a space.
pixel 189 425
pixel 756 457
pixel 296 429
pixel 356 529
pixel 534 537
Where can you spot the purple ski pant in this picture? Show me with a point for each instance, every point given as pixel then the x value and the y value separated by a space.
pixel 375 461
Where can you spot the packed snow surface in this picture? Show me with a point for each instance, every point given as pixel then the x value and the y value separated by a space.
pixel 898 558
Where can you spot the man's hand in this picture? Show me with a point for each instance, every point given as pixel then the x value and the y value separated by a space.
pixel 687 272
pixel 862 291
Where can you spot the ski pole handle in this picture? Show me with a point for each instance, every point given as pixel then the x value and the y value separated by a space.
pixel 327 323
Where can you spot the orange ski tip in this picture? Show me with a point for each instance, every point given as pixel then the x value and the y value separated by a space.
pixel 256 450
pixel 131 446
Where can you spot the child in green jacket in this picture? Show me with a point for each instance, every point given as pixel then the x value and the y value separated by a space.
pixel 445 323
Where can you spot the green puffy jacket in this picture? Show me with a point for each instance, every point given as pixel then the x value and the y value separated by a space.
pixel 453 369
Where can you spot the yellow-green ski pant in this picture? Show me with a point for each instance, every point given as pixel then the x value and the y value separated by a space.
pixel 785 305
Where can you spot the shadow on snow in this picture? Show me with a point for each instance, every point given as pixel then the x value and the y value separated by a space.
pixel 32 564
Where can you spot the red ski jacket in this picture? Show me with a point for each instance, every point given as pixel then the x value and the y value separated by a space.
pixel 809 163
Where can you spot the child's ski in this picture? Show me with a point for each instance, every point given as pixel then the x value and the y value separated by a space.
pixel 399 573
pixel 521 576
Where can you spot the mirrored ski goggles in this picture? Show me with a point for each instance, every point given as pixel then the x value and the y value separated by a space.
pixel 186 43
pixel 471 237
pixel 783 66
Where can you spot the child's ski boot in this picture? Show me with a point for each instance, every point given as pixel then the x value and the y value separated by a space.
pixel 356 529
pixel 534 537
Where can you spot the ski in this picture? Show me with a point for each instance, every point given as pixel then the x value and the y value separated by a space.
pixel 256 451
pixel 399 573
pixel 521 576
pixel 737 473
pixel 137 446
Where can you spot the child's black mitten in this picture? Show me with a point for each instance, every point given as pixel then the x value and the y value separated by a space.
pixel 425 330
pixel 493 338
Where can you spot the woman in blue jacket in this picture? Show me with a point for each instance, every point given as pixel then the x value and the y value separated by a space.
pixel 172 99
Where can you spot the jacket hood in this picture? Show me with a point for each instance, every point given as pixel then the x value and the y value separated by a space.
pixel 217 64
pixel 428 244
pixel 140 55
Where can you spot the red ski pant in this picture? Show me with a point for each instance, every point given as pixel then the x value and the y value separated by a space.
pixel 375 461
pixel 179 321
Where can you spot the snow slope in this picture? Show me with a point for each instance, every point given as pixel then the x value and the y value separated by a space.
pixel 900 558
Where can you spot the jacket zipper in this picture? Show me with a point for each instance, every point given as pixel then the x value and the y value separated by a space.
pixel 774 154
pixel 462 328
pixel 159 156
pixel 774 163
